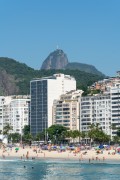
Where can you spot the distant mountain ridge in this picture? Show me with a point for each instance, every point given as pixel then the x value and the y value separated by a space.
pixel 83 67
pixel 58 60
pixel 15 77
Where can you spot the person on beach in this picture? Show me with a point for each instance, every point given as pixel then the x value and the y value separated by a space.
pixel 3 156
pixel 81 157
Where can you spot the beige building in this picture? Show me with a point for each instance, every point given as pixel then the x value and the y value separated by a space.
pixel 66 110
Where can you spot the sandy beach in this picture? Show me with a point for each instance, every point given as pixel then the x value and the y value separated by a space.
pixel 36 153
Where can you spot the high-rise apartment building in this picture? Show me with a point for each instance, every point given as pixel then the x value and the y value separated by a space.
pixel 96 109
pixel 14 110
pixel 43 92
pixel 114 92
pixel 66 110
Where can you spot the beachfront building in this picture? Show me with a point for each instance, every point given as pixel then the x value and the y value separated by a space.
pixel 114 92
pixel 3 101
pixel 66 110
pixel 96 109
pixel 43 92
pixel 14 110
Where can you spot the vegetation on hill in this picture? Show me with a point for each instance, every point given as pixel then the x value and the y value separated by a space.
pixel 15 77
pixel 58 60
pixel 83 67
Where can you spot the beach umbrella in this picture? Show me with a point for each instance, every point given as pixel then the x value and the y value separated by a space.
pixel 101 146
pixel 97 148
pixel 118 149
pixel 62 148
pixel 17 149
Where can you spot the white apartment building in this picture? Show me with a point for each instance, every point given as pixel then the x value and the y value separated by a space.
pixel 96 109
pixel 43 92
pixel 114 92
pixel 66 110
pixel 3 102
pixel 14 110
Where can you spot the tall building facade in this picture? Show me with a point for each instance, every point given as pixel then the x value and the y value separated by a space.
pixel 14 110
pixel 114 92
pixel 66 110
pixel 43 92
pixel 96 109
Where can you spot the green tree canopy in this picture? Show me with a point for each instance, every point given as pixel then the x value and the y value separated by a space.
pixel 6 129
pixel 57 133
pixel 26 129
pixel 15 137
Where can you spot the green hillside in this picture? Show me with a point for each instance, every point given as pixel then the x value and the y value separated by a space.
pixel 83 67
pixel 15 77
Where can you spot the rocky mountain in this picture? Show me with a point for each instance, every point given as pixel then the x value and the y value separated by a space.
pixel 58 60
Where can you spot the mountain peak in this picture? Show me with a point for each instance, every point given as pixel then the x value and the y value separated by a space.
pixel 56 60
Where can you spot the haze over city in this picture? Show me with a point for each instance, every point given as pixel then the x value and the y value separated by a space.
pixel 87 31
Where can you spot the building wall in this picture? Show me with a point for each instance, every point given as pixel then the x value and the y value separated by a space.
pixel 115 106
pixel 15 112
pixel 55 86
pixel 96 109
pixel 66 110
pixel 38 107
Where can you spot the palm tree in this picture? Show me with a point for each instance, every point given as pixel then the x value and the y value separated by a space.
pixel 116 139
pixel 75 134
pixel 83 135
pixel 96 133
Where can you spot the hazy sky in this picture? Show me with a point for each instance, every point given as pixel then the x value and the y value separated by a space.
pixel 87 30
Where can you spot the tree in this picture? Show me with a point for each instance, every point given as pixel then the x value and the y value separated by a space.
pixel 27 136
pixel 116 139
pixel 26 129
pixel 96 134
pixel 118 132
pixel 57 133
pixel 16 137
pixel 74 134
pixel 39 136
pixel 6 129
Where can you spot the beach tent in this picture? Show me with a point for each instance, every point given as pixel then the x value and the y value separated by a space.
pixel 101 146
pixel 62 147
pixel 97 148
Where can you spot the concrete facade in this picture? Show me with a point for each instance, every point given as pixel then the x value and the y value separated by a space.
pixel 66 110
pixel 43 92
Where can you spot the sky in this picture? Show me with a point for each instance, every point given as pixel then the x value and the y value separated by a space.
pixel 88 31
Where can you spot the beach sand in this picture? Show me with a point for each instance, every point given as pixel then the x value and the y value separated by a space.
pixel 29 153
